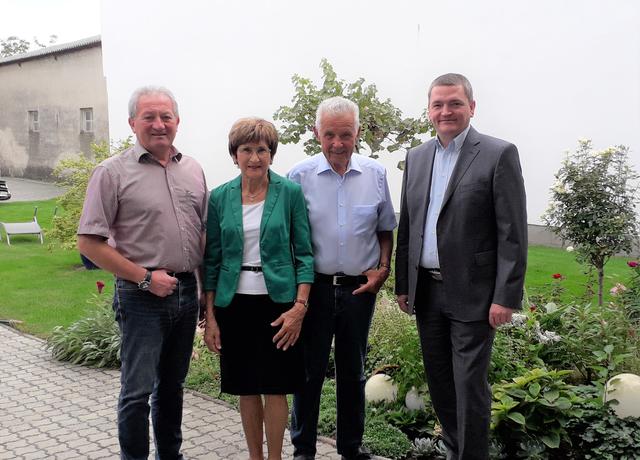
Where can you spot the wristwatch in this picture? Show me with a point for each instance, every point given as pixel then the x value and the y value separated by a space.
pixel 145 284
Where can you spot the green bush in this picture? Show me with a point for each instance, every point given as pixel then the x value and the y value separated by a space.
pixel 384 439
pixel 394 346
pixel 596 341
pixel 529 415
pixel 91 341
pixel 73 174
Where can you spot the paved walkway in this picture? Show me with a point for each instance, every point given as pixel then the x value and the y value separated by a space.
pixel 54 410
pixel 30 190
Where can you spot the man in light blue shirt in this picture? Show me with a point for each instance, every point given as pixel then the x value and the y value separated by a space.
pixel 352 222
pixel 444 161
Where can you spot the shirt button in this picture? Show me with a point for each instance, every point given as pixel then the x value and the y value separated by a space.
pixel 341 244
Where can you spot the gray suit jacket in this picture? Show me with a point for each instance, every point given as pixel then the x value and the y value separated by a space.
pixel 482 227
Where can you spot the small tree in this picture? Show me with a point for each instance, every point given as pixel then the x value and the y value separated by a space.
pixel 382 125
pixel 593 205
pixel 73 174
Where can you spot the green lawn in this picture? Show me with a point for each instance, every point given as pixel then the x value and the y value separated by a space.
pixel 45 287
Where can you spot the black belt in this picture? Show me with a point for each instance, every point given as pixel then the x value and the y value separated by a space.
pixel 433 273
pixel 181 276
pixel 251 268
pixel 340 279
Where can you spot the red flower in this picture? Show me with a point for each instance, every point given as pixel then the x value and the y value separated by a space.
pixel 533 307
pixel 632 264
pixel 556 276
pixel 100 286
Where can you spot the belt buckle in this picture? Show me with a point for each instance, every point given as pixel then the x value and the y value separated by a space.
pixel 435 274
pixel 335 280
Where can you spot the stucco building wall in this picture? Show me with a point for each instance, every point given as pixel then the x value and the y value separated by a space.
pixel 56 83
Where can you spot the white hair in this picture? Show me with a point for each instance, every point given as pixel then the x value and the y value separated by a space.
pixel 145 91
pixel 338 105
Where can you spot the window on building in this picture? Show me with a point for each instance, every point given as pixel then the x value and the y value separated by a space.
pixel 34 123
pixel 86 120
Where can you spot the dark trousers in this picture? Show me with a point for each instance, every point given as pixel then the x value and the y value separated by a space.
pixel 333 311
pixel 157 340
pixel 456 358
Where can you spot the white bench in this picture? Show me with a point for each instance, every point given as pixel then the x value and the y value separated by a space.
pixel 23 228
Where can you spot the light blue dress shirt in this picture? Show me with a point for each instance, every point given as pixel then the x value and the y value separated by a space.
pixel 443 163
pixel 345 212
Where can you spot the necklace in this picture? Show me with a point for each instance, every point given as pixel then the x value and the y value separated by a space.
pixel 255 195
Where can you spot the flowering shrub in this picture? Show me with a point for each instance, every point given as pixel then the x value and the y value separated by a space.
pixel 593 205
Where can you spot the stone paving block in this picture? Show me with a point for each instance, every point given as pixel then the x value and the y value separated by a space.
pixel 34 455
pixel 20 451
pixel 68 454
pixel 16 444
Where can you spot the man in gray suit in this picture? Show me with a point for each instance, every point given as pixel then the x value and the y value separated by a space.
pixel 461 259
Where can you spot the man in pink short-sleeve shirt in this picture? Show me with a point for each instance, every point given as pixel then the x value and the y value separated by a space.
pixel 151 200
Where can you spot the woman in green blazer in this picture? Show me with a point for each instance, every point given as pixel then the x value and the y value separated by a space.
pixel 258 269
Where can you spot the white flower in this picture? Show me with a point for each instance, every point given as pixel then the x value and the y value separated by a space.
pixel 518 319
pixel 570 249
pixel 546 337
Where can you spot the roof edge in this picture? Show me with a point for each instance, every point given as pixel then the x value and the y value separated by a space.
pixel 88 42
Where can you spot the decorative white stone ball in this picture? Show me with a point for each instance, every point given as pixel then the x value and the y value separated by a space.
pixel 625 388
pixel 414 400
pixel 380 388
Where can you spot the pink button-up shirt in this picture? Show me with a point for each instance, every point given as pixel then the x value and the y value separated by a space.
pixel 156 215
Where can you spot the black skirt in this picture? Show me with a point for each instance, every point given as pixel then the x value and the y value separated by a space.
pixel 250 363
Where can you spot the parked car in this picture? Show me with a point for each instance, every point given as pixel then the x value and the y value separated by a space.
pixel 5 194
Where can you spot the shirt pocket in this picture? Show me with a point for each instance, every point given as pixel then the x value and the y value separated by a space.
pixel 188 202
pixel 364 218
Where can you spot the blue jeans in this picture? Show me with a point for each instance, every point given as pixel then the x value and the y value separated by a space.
pixel 333 311
pixel 157 340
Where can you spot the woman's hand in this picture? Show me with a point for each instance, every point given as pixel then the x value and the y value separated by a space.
pixel 212 335
pixel 291 323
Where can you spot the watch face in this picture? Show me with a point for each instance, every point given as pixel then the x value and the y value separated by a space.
pixel 144 285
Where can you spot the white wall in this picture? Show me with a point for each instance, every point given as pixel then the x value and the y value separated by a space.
pixel 545 73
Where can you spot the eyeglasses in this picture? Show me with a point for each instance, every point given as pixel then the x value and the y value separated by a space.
pixel 262 152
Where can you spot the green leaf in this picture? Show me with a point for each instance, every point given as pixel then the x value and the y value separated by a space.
pixel 517 417
pixel 551 395
pixel 534 389
pixel 551 439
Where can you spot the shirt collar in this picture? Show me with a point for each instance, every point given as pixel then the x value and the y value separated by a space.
pixel 457 141
pixel 139 151
pixel 324 165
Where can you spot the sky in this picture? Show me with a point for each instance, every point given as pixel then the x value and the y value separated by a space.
pixel 70 20
pixel 545 73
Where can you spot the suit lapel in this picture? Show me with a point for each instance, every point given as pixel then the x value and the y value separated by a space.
pixel 275 185
pixel 235 203
pixel 468 153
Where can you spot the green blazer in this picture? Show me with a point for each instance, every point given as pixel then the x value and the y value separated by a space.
pixel 285 240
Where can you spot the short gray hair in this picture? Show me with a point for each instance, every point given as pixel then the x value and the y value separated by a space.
pixel 146 91
pixel 338 105
pixel 453 79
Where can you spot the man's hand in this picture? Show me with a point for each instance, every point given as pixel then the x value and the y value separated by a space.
pixel 499 315
pixel 162 284
pixel 403 303
pixel 212 335
pixel 291 323
pixel 375 280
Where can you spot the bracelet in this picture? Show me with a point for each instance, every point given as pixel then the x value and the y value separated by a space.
pixel 305 303
pixel 383 265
